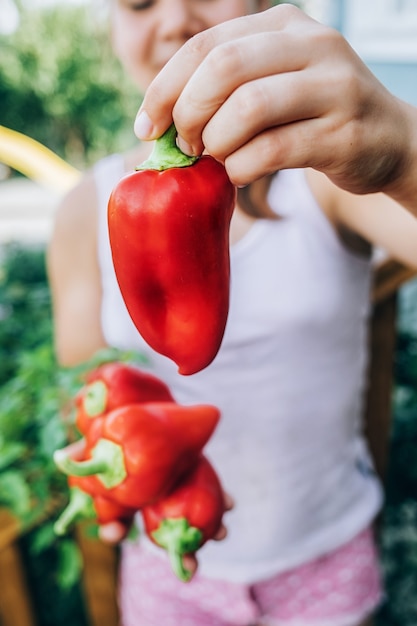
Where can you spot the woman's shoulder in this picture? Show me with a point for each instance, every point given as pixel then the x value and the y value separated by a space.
pixel 77 208
pixel 77 211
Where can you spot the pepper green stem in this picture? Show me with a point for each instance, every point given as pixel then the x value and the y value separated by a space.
pixel 177 537
pixel 80 506
pixel 107 462
pixel 166 154
pixel 95 399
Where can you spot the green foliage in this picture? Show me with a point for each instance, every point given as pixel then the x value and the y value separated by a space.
pixel 25 321
pixel 36 409
pixel 61 85
pixel 32 426
pixel 51 573
pixel 34 394
pixel 399 523
pixel 36 418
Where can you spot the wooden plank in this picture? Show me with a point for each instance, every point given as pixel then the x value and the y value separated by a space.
pixel 389 276
pixel 99 579
pixel 10 528
pixel 378 402
pixel 15 602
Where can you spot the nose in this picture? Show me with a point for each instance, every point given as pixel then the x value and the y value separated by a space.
pixel 178 19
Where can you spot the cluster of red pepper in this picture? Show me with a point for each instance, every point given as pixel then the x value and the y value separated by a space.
pixel 143 451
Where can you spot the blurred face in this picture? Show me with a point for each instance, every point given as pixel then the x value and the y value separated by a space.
pixel 146 33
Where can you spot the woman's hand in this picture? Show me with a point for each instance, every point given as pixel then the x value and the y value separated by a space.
pixel 278 90
pixel 115 532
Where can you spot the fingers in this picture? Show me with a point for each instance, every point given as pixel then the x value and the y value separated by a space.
pixel 190 564
pixel 288 146
pixel 270 151
pixel 113 532
pixel 164 91
pixel 221 533
pixel 73 451
pixel 228 505
pixel 190 561
pixel 211 65
pixel 270 91
pixel 235 79
pixel 261 105
pixel 228 501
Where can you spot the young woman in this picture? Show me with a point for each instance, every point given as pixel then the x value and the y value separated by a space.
pixel 265 93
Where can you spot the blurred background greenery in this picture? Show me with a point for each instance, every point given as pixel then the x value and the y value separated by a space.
pixel 60 84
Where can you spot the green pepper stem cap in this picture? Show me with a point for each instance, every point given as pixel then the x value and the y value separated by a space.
pixel 95 399
pixel 177 537
pixel 107 462
pixel 80 506
pixel 166 154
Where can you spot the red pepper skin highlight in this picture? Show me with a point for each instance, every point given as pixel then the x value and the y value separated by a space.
pixel 140 451
pixel 112 385
pixel 169 235
pixel 188 517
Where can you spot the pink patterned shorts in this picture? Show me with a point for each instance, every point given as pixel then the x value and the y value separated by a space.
pixel 340 589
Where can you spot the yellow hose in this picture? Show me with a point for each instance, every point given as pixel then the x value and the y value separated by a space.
pixel 36 161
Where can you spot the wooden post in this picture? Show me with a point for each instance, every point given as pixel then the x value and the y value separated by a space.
pixel 379 400
pixel 99 579
pixel 15 602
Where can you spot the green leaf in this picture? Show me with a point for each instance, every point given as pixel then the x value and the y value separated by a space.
pixel 52 436
pixel 14 492
pixel 43 538
pixel 70 563
pixel 10 453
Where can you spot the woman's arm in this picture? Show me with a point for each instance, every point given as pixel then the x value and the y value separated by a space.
pixel 74 276
pixel 375 218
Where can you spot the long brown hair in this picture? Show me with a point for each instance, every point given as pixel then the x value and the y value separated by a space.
pixel 253 199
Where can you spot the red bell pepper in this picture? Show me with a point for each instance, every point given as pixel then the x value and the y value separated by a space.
pixel 188 517
pixel 169 234
pixel 112 385
pixel 83 504
pixel 139 451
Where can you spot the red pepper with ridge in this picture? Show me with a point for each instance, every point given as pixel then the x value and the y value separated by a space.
pixel 112 385
pixel 188 516
pixel 169 234
pixel 138 452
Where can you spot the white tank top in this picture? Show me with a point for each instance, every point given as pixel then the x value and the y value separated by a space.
pixel 289 380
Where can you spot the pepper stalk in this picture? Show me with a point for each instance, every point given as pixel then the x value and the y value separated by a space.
pixel 166 154
pixel 178 538
pixel 80 506
pixel 107 462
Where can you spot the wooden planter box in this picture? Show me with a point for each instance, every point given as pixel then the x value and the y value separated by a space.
pixel 99 578
pixel 15 603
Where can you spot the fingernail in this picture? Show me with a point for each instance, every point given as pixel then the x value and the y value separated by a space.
pixel 143 126
pixel 185 147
